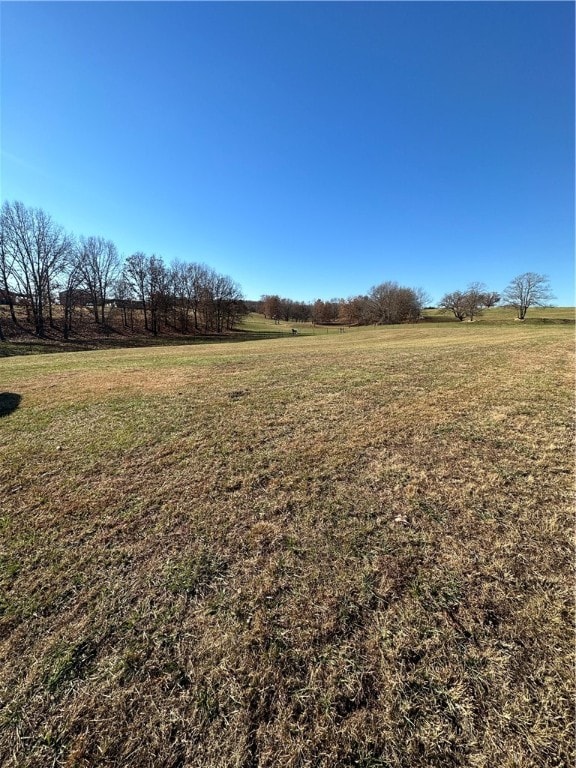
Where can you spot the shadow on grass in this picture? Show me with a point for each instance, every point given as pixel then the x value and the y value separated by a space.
pixel 17 348
pixel 8 403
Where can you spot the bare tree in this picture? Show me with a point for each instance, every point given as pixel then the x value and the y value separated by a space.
pixel 392 303
pixel 98 266
pixel 491 298
pixel 301 311
pixel 454 302
pixel 136 273
pixel 422 297
pixel 231 302
pixel 222 300
pixel 69 295
pixel 38 249
pixel 272 306
pixel 474 300
pixel 6 269
pixel 325 312
pixel 527 290
pixel 182 304
pixel 151 282
pixel 199 277
pixel 125 301
pixel 469 303
pixel 354 311
pixel 160 295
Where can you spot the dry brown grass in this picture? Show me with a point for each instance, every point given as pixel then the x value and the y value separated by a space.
pixel 345 550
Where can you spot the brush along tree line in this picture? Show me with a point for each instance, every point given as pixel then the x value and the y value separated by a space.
pixel 39 261
pixel 392 303
pixel 385 304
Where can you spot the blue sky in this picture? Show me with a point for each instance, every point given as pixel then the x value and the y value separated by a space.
pixel 307 149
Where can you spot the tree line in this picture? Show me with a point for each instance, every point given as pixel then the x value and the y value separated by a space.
pixel 42 265
pixel 524 291
pixel 390 303
pixel 386 303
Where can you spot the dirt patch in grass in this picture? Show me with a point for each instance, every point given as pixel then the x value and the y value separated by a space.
pixel 325 551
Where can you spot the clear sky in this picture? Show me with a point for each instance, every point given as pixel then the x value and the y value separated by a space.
pixel 307 149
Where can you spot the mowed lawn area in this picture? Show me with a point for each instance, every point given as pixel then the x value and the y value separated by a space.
pixel 341 549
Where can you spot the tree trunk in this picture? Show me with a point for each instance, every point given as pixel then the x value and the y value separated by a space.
pixel 50 316
pixel 67 322
pixel 11 305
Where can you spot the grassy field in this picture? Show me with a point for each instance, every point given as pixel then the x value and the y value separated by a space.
pixel 253 327
pixel 508 314
pixel 340 549
pixel 257 323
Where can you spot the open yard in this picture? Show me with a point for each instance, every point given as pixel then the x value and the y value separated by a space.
pixel 340 549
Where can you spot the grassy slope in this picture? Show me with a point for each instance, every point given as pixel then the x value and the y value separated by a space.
pixel 252 327
pixel 333 550
pixel 508 314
